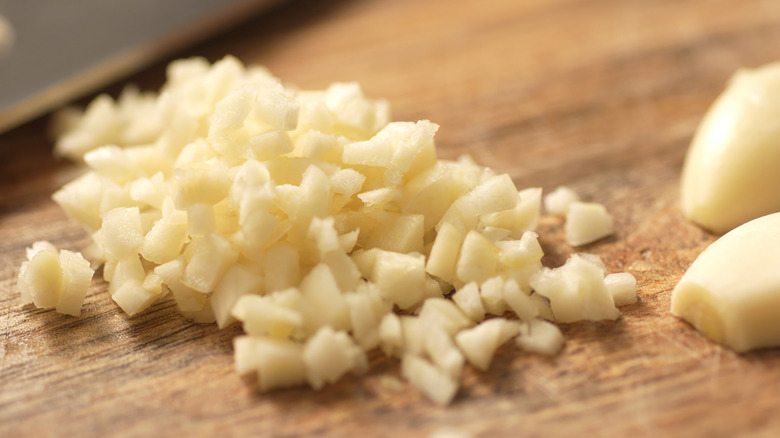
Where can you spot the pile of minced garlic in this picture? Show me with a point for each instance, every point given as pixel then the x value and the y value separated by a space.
pixel 324 228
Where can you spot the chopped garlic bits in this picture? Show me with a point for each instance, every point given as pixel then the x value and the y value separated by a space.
pixel 54 279
pixel 309 217
pixel 558 201
pixel 585 222
pixel 731 292
pixel 731 168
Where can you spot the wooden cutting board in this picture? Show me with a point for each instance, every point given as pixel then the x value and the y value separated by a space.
pixel 600 95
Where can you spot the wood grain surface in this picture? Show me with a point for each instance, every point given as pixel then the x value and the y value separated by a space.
pixel 601 95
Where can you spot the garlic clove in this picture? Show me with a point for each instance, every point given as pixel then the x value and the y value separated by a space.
pixel 733 164
pixel 731 292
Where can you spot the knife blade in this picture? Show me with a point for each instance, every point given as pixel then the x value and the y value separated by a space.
pixel 52 51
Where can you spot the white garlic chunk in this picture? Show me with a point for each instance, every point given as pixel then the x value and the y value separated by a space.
pixel 733 161
pixel 731 292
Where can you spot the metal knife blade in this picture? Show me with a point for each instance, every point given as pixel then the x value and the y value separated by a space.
pixel 52 51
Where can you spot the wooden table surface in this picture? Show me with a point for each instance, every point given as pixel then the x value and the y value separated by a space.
pixel 601 95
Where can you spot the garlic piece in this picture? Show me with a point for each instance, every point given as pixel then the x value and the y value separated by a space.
pixel 539 336
pixel 731 292
pixel 587 222
pixel 54 279
pixel 622 287
pixel 733 159
pixel 558 201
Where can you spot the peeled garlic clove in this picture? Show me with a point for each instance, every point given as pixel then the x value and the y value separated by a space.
pixel 732 168
pixel 731 292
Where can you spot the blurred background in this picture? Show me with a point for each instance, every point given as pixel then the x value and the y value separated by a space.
pixel 536 73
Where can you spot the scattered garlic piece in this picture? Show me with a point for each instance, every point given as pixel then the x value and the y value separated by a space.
pixel 576 291
pixel 51 279
pixel 587 222
pixel 731 292
pixel 539 336
pixel 558 201
pixel 622 287
pixel 76 279
pixel 733 157
pixel 40 280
